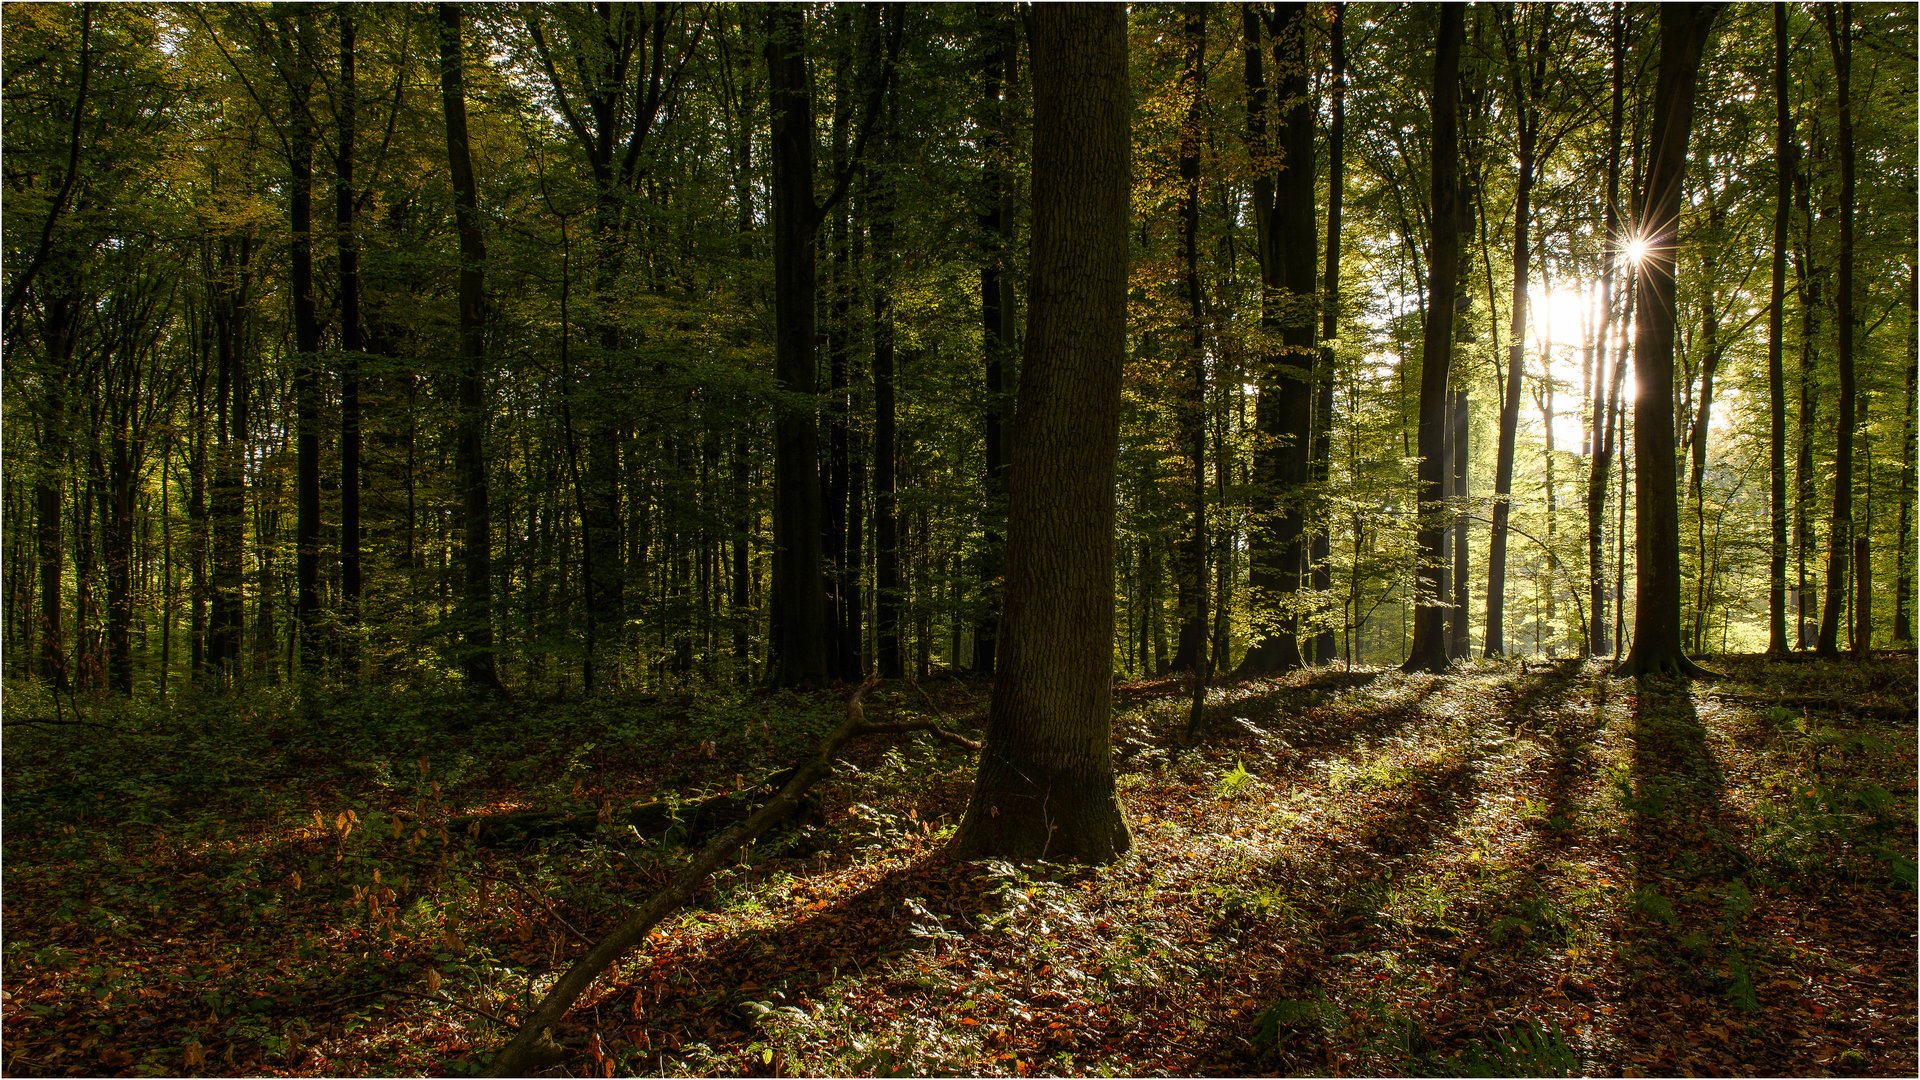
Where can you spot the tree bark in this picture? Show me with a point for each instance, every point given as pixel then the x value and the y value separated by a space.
pixel 1903 556
pixel 1428 652
pixel 351 341
pixel 1321 551
pixel 474 615
pixel 1656 626
pixel 1459 622
pixel 1045 788
pixel 1839 27
pixel 306 345
pixel 1600 461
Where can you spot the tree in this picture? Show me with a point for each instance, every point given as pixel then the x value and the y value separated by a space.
pixel 1045 786
pixel 1428 652
pixel 475 615
pixel 1684 29
pixel 1837 21
pixel 1283 209
pixel 1783 165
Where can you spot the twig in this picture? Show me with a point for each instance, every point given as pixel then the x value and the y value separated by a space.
pixel 928 726
pixel 541 900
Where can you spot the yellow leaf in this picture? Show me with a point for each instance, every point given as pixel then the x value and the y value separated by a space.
pixel 433 981
pixel 295 881
pixel 423 764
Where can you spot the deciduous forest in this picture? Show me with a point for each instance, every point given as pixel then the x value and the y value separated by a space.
pixel 908 539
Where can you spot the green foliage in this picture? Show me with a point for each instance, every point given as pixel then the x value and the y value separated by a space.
pixel 1526 1049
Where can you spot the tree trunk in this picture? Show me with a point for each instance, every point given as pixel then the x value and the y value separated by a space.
pixel 799 595
pixel 1190 646
pixel 1428 651
pixel 1903 555
pixel 1656 624
pixel 474 615
pixel 998 340
pixel 1322 547
pixel 306 345
pixel 1284 412
pixel 1527 73
pixel 1045 788
pixel 1783 164
pixel 351 342
pixel 1839 27
pixel 50 478
pixel 1459 624
pixel 227 499
pixel 1606 404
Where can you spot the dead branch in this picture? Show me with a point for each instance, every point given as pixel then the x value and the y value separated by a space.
pixel 533 1047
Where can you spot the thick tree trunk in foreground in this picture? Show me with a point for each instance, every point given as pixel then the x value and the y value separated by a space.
pixel 474 615
pixel 1428 651
pixel 1045 788
pixel 1840 532
pixel 1656 623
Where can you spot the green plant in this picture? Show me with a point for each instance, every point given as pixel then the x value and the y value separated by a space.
pixel 1235 782
pixel 1281 1021
pixel 1527 1049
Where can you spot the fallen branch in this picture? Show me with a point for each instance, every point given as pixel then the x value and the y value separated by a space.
pixel 533 1047
pixel 927 726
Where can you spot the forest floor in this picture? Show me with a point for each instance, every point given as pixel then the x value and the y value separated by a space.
pixel 1513 869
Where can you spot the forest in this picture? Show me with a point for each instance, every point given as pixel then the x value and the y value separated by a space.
pixel 959 539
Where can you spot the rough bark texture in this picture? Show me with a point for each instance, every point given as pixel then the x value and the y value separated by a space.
pixel 1656 626
pixel 1428 652
pixel 1045 788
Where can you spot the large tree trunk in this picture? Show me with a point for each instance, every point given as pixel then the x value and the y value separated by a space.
pixel 1284 412
pixel 1045 788
pixel 1656 622
pixel 1428 651
pixel 1783 164
pixel 998 341
pixel 1839 27
pixel 1190 574
pixel 474 615
pixel 799 595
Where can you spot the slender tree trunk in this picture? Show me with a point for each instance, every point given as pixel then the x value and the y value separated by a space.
pixel 474 614
pixel 1903 556
pixel 998 341
pixel 1600 461
pixel 1459 623
pixel 1784 166
pixel 351 341
pixel 227 502
pixel 49 481
pixel 1284 413
pixel 1428 651
pixel 799 595
pixel 1190 648
pixel 306 375
pixel 1703 416
pixel 885 439
pixel 1839 26
pixel 1322 548
pixel 1045 788
pixel 1656 626
pixel 1525 85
